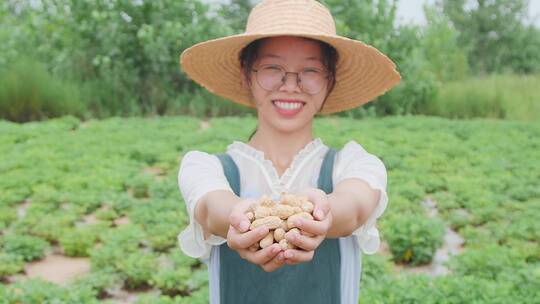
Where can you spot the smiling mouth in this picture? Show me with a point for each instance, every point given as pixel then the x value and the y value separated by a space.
pixel 288 105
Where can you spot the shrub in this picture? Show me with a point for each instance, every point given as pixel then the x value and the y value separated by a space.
pixel 10 264
pixel 78 242
pixel 28 247
pixel 487 262
pixel 413 239
pixel 7 216
pixel 137 268
pixel 28 92
pixel 172 281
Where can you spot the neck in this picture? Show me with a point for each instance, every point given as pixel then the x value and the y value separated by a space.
pixel 280 147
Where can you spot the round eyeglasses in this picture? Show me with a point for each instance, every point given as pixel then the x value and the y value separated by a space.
pixel 310 80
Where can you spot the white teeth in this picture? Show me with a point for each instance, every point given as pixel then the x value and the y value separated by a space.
pixel 288 105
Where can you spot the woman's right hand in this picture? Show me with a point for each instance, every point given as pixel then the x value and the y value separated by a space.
pixel 240 238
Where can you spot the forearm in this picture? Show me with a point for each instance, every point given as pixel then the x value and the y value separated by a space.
pixel 213 211
pixel 351 204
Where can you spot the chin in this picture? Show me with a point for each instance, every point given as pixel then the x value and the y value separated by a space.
pixel 290 125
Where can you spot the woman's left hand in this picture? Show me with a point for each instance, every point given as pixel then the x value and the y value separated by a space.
pixel 314 231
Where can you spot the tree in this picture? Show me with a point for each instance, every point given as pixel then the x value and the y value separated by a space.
pixel 491 30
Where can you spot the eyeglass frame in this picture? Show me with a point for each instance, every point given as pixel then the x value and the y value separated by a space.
pixel 284 78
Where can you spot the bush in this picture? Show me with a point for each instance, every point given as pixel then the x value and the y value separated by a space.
pixel 413 239
pixel 7 216
pixel 10 264
pixel 28 247
pixel 99 281
pixel 28 92
pixel 446 290
pixel 116 244
pixel 39 291
pixel 78 242
pixel 497 96
pixel 487 262
pixel 138 268
pixel 172 281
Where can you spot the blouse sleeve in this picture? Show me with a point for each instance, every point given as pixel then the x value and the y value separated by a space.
pixel 353 161
pixel 199 174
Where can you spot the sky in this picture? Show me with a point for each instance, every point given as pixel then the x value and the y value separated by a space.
pixel 411 11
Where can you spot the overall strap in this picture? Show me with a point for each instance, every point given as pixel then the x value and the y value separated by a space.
pixel 231 171
pixel 325 181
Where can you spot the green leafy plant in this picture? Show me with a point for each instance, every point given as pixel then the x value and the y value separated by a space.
pixel 10 264
pixel 413 238
pixel 28 247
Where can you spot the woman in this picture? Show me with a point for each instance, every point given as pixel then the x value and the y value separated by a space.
pixel 290 65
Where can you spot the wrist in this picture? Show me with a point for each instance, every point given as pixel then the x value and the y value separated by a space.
pixel 218 210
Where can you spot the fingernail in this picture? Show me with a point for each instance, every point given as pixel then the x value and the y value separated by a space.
pixel 244 225
pixel 298 222
pixel 319 214
pixel 292 237
pixel 288 254
pixel 275 250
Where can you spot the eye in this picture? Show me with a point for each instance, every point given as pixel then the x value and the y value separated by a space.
pixel 312 71
pixel 271 67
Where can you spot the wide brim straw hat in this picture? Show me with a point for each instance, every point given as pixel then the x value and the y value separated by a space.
pixel 362 72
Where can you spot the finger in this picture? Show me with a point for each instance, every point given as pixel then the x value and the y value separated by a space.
pixel 263 256
pixel 321 209
pixel 319 200
pixel 275 263
pixel 304 242
pixel 238 218
pixel 294 256
pixel 313 227
pixel 244 240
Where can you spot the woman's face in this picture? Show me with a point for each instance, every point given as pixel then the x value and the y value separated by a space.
pixel 287 107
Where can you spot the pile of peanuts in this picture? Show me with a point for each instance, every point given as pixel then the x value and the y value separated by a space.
pixel 279 218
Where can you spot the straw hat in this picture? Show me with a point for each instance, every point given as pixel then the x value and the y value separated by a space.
pixel 362 71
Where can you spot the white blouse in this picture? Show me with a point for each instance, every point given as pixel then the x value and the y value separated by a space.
pixel 201 173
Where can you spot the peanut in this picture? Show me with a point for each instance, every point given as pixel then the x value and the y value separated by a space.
pixel 271 222
pixel 285 245
pixel 307 207
pixel 284 226
pixel 283 211
pixel 279 218
pixel 291 200
pixel 279 233
pixel 261 212
pixel 292 218
pixel 266 201
pixel 267 240
pixel 294 230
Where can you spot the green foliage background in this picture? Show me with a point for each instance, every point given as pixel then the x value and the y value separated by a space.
pixel 483 175
pixel 102 58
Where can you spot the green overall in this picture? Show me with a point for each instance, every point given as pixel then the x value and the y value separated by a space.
pixel 317 281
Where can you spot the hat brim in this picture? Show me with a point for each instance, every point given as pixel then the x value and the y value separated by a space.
pixel 362 72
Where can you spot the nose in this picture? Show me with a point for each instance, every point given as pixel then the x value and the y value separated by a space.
pixel 290 86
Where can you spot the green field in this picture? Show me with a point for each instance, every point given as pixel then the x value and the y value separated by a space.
pixel 106 192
